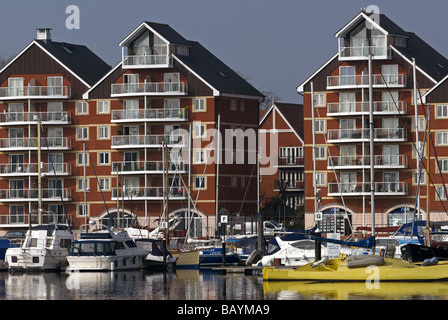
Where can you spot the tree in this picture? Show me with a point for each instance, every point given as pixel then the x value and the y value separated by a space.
pixel 270 98
pixel 4 61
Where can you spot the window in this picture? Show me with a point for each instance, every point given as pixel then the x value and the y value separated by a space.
pixel 103 133
pixel 104 184
pixel 242 106
pixel 243 182
pixel 103 106
pixel 319 153
pixel 390 73
pixel 15 87
pixel 81 107
pixel 319 126
pixel 442 111
pixel 443 165
pixel 83 185
pixel 233 182
pixel 83 133
pixel 422 177
pixel 347 75
pixel 198 130
pixel 321 178
pixel 198 156
pixel 441 193
pixel 83 159
pixel 199 104
pixel 17 214
pixel 200 182
pixel 421 124
pixel 319 99
pixel 442 138
pixel 82 209
pixel 103 158
pixel 233 105
pixel 54 86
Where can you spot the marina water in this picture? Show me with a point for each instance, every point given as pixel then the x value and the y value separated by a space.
pixel 197 285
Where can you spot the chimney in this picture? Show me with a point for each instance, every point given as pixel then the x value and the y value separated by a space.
pixel 44 34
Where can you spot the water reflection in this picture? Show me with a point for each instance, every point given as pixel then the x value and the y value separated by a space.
pixel 135 285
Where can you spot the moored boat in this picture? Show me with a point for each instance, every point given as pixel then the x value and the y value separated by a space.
pixel 45 248
pixel 359 268
pixel 104 249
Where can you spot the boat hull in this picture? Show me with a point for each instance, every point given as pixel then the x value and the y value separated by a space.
pixel 337 270
pixel 419 253
pixel 19 259
pixel 186 259
pixel 104 263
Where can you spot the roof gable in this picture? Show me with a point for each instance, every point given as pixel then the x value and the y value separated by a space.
pixel 291 114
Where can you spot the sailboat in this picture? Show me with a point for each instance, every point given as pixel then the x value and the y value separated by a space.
pixel 46 246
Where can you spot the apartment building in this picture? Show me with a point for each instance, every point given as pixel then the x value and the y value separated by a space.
pixel 147 126
pixel 42 85
pixel 283 122
pixel 371 87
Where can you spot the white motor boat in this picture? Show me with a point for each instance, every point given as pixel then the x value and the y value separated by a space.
pixel 104 249
pixel 45 248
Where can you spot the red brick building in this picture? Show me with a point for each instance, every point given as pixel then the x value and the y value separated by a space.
pixel 127 117
pixel 284 178
pixel 337 98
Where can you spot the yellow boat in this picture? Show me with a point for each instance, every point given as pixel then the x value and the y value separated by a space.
pixel 354 290
pixel 359 268
pixel 186 259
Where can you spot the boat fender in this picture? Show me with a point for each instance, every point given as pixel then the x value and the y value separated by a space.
pixel 254 257
pixel 321 262
pixel 360 261
pixel 430 262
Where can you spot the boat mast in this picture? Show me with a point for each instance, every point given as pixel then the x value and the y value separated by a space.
pixel 85 183
pixel 39 177
pixel 417 143
pixel 428 191
pixel 372 167
pixel 217 159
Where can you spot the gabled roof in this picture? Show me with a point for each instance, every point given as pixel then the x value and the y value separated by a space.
pixel 220 77
pixel 291 113
pixel 77 58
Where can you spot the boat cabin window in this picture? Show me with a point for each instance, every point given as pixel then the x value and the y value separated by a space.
pixel 92 248
pixel 31 243
pixel 65 243
pixel 304 244
pixel 385 242
pixel 119 245
pixel 131 244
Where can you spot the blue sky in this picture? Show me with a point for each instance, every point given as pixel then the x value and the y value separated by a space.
pixel 275 44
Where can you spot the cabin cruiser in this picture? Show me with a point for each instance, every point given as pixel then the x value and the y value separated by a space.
pixel 100 248
pixel 45 248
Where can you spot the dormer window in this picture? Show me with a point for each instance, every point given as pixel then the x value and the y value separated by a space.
pixel 182 50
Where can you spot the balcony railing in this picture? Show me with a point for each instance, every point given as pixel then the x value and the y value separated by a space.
pixel 20 195
pixel 289 185
pixel 361 189
pixel 31 169
pixel 362 81
pixel 357 162
pixel 54 143
pixel 142 167
pixel 362 52
pixel 24 219
pixel 356 135
pixel 148 88
pixel 57 117
pixel 289 161
pixel 146 61
pixel 150 193
pixel 35 92
pixel 359 108
pixel 172 114
pixel 148 141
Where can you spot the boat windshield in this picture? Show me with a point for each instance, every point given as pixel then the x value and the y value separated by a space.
pixel 92 248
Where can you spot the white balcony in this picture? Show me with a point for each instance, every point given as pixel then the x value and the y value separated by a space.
pixel 150 115
pixel 148 141
pixel 362 53
pixel 31 169
pixel 147 61
pixel 22 195
pixel 148 89
pixel 35 92
pixel 150 193
pixel 363 189
pixel 20 144
pixel 25 118
pixel 147 167
pixel 363 162
pixel 380 108
pixel 363 135
pixel 380 81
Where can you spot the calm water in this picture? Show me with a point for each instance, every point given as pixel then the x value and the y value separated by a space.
pixel 197 285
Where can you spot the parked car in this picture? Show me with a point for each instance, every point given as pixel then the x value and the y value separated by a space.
pixel 15 235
